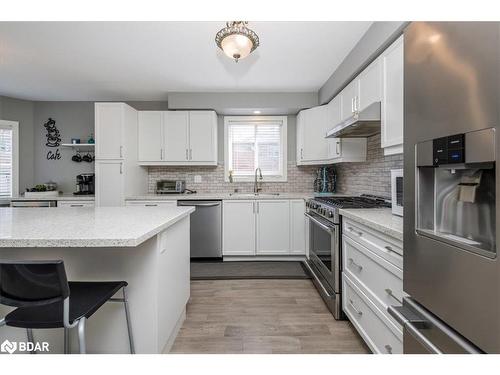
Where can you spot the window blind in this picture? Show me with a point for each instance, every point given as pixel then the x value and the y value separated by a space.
pixel 255 145
pixel 6 162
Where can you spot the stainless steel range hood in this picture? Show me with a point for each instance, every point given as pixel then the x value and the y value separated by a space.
pixel 361 125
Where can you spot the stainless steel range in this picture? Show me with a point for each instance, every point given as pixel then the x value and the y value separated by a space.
pixel 325 240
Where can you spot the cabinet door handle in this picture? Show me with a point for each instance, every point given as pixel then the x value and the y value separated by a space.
pixel 388 348
pixel 351 229
pixel 161 154
pixel 391 294
pixel 301 154
pixel 359 267
pixel 337 151
pixel 190 154
pixel 121 168
pixel 187 154
pixel 121 151
pixel 352 105
pixel 359 312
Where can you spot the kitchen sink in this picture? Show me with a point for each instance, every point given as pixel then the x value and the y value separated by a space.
pixel 253 195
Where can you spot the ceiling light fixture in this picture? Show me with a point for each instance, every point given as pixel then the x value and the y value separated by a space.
pixel 256 112
pixel 237 40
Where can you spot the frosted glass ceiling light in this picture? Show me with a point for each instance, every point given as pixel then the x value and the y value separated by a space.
pixel 237 40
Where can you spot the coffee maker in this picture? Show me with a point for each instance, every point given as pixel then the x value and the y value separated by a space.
pixel 85 184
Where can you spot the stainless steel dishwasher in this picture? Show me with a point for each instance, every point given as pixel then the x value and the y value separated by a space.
pixel 206 228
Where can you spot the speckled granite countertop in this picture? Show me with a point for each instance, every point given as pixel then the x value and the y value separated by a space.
pixel 85 227
pixel 60 197
pixel 380 219
pixel 221 196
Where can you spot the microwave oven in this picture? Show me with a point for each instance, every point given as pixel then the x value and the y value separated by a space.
pixel 170 187
pixel 397 191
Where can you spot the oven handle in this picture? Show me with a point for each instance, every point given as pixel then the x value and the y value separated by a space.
pixel 316 221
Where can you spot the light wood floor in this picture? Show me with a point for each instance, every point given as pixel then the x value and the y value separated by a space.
pixel 262 316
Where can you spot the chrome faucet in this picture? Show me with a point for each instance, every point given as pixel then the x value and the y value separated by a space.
pixel 256 185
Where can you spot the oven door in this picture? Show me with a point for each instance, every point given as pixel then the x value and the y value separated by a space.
pixel 324 249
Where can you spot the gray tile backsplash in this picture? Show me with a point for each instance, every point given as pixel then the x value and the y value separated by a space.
pixel 370 177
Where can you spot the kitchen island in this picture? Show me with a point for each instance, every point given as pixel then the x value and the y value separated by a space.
pixel 146 246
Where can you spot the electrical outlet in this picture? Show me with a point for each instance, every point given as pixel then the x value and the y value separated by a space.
pixel 197 179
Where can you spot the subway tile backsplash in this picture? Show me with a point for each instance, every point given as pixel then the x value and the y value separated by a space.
pixel 370 177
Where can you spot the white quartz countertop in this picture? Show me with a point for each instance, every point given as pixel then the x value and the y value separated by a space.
pixel 85 227
pixel 380 219
pixel 219 196
pixel 60 197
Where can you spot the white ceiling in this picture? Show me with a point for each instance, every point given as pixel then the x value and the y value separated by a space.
pixel 146 60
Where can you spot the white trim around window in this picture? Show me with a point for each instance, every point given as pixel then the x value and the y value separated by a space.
pixel 281 174
pixel 14 126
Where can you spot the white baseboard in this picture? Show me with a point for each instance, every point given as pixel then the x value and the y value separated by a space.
pixel 284 258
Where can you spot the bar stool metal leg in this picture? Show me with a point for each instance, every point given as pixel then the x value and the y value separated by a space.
pixel 67 349
pixel 29 333
pixel 81 335
pixel 129 324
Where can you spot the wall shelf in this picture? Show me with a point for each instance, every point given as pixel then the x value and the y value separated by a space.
pixel 80 147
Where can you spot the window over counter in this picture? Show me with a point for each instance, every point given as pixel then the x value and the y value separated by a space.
pixel 255 142
pixel 9 159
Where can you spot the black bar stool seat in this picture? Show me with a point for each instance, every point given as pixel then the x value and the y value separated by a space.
pixel 85 299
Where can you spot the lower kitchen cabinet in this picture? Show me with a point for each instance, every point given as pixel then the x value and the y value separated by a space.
pixel 110 183
pixel 273 227
pixel 149 203
pixel 238 227
pixel 263 227
pixel 75 203
pixel 372 279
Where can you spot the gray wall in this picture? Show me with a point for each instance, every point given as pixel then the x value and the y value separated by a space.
pixel 378 37
pixel 22 111
pixel 245 103
pixel 74 120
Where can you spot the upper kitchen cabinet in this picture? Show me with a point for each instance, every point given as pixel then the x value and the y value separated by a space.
pixel 348 97
pixel 392 61
pixel 370 86
pixel 150 136
pixel 312 146
pixel 109 130
pixel 178 138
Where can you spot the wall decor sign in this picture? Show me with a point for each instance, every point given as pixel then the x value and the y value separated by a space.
pixel 53 139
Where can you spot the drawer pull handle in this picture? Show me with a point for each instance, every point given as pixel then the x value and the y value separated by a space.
pixel 359 312
pixel 76 205
pixel 351 229
pixel 360 268
pixel 389 248
pixel 391 294
pixel 151 205
pixel 388 348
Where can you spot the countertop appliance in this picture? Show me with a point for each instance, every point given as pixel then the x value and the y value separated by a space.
pixel 170 187
pixel 397 183
pixel 33 203
pixel 85 184
pixel 206 228
pixel 451 265
pixel 325 239
pixel 361 124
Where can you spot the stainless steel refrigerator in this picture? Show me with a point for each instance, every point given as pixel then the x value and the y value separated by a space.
pixel 451 181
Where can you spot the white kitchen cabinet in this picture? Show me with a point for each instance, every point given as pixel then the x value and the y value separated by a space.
pixel 150 203
pixel 312 146
pixel 297 227
pixel 109 130
pixel 176 133
pixel 392 61
pixel 203 137
pixel 348 98
pixel 369 85
pixel 150 137
pixel 75 203
pixel 273 227
pixel 238 223
pixel 117 171
pixel 263 227
pixel 110 183
pixel 177 138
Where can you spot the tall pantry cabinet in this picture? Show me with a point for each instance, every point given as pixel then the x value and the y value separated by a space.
pixel 117 173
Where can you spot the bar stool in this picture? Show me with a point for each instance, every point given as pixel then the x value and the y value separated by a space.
pixel 45 299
